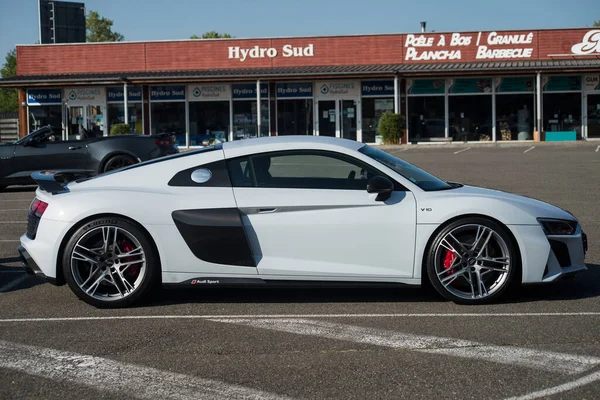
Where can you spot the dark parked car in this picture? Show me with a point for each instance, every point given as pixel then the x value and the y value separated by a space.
pixel 43 150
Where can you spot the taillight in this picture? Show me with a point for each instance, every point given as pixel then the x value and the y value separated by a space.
pixel 165 142
pixel 38 207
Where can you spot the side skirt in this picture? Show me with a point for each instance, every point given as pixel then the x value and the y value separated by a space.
pixel 263 283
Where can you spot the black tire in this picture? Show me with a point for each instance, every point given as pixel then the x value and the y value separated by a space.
pixel 470 262
pixel 2 187
pixel 75 269
pixel 117 162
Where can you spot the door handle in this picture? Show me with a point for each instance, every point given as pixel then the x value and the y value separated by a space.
pixel 74 147
pixel 266 210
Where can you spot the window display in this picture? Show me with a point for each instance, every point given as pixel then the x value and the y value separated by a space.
pixel 209 122
pixel 245 119
pixel 470 118
pixel 372 110
pixel 426 118
pixel 295 117
pixel 116 115
pixel 593 114
pixel 514 116
pixel 169 118
pixel 44 115
pixel 562 112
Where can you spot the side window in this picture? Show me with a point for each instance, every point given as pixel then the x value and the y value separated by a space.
pixel 308 170
pixel 240 172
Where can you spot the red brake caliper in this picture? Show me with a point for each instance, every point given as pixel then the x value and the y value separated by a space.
pixel 126 246
pixel 449 259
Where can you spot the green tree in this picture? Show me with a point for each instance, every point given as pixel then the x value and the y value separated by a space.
pixel 391 127
pixel 596 24
pixel 212 35
pixel 99 29
pixel 8 97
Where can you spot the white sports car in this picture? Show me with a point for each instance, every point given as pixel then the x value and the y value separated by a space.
pixel 290 209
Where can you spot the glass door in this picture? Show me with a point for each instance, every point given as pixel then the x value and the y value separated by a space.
pixel 75 120
pixel 348 117
pixel 327 118
pixel 95 120
pixel 593 116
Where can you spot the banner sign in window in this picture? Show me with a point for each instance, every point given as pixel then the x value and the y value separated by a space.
pixel 168 93
pixel 115 94
pixel 561 83
pixel 248 91
pixel 471 85
pixel 515 84
pixel 591 83
pixel 337 88
pixel 209 92
pixel 38 97
pixel 295 89
pixel 377 88
pixel 426 86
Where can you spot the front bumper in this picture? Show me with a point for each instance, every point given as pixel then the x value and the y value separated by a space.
pixel 31 266
pixel 567 255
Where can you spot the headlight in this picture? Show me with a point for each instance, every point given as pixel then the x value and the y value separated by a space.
pixel 558 226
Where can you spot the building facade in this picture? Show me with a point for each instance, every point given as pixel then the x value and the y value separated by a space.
pixel 457 86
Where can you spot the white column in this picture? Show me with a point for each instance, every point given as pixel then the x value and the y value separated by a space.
pixel 539 104
pixel 258 116
pixel 494 135
pixel 125 100
pixel 396 96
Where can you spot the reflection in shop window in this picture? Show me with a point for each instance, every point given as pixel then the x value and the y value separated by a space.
pixel 593 113
pixel 44 115
pixel 295 117
pixel 562 112
pixel 209 122
pixel 116 115
pixel 169 118
pixel 470 118
pixel 426 118
pixel 245 119
pixel 514 116
pixel 372 110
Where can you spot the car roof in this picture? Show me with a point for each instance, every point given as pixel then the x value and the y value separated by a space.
pixel 292 141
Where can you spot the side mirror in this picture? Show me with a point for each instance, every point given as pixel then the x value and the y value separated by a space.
pixel 382 186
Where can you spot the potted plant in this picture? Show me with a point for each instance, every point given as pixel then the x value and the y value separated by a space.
pixel 391 127
pixel 119 129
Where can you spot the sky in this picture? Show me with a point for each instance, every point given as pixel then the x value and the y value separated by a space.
pixel 179 19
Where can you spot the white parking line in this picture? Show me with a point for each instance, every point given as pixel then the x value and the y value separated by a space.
pixel 9 240
pixel 460 151
pixel 597 148
pixel 263 316
pixel 13 283
pixel 112 376
pixel 560 388
pixel 509 355
pixel 13 209
pixel 13 222
pixel 529 149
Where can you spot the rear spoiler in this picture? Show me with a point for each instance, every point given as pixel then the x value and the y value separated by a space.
pixel 55 181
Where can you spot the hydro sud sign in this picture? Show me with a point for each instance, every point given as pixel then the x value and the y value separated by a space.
pixel 208 92
pixel 427 48
pixel 242 54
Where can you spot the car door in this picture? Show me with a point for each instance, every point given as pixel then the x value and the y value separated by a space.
pixel 308 213
pixel 46 154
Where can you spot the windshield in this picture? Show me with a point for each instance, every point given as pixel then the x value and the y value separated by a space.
pixel 422 179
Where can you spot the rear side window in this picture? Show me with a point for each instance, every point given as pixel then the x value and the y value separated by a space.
pixel 301 170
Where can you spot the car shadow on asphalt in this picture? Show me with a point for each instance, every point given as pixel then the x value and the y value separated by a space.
pixel 20 189
pixel 582 286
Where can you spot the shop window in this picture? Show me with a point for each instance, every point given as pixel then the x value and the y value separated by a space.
pixel 44 115
pixel 169 118
pixel 295 117
pixel 593 107
pixel 372 110
pixel 209 122
pixel 426 118
pixel 562 112
pixel 470 118
pixel 116 115
pixel 245 119
pixel 514 116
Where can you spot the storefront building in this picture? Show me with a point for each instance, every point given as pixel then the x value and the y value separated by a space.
pixel 458 86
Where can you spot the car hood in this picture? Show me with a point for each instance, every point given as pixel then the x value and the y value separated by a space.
pixel 531 206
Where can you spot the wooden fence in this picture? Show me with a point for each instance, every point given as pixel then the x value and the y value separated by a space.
pixel 9 127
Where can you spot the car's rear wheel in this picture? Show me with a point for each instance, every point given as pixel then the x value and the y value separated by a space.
pixel 118 162
pixel 109 262
pixel 472 261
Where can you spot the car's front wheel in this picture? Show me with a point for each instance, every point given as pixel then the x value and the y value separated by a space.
pixel 109 262
pixel 472 261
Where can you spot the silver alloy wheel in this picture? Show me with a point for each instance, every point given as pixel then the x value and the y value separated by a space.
pixel 108 263
pixel 472 261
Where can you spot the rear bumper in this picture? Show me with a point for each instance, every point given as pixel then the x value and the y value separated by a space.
pixel 31 266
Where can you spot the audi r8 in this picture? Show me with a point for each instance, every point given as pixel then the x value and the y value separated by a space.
pixel 289 210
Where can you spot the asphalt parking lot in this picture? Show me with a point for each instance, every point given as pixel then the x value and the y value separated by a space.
pixel 343 343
